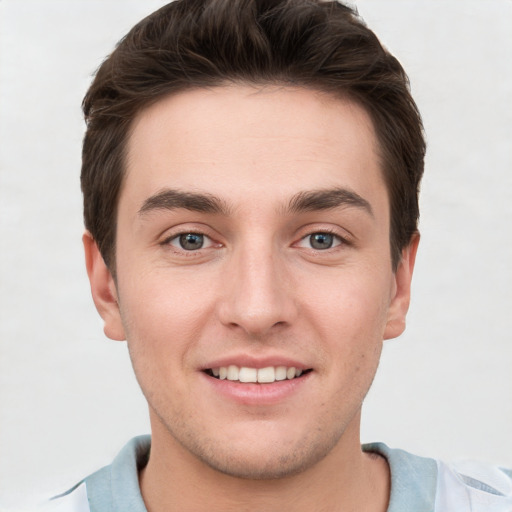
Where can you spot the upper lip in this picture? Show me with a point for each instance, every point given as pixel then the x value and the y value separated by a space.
pixel 249 361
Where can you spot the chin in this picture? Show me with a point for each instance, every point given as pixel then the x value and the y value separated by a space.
pixel 270 467
pixel 252 459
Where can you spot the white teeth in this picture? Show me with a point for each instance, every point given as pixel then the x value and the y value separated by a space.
pixel 267 374
pixel 248 374
pixel 233 372
pixel 262 375
pixel 281 373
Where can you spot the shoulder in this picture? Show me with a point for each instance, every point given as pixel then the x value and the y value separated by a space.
pixel 114 487
pixel 428 485
pixel 473 486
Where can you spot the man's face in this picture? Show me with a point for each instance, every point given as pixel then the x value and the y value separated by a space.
pixel 253 240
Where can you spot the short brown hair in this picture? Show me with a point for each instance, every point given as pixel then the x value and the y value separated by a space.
pixel 317 44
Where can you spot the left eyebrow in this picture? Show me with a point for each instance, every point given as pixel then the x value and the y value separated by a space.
pixel 326 199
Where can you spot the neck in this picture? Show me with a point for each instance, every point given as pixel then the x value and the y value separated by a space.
pixel 346 479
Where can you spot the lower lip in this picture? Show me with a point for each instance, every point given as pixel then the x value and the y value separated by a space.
pixel 257 394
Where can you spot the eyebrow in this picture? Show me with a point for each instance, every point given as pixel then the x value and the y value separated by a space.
pixel 169 199
pixel 326 199
pixel 305 201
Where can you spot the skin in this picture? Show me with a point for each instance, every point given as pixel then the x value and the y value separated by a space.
pixel 257 289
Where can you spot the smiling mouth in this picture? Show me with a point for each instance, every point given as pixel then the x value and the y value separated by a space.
pixel 266 375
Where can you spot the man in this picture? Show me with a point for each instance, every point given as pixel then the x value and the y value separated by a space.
pixel 250 178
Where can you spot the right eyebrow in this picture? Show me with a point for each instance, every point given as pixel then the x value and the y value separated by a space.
pixel 170 199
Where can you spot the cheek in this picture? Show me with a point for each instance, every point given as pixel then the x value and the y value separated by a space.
pixel 161 316
pixel 350 320
pixel 160 329
pixel 353 304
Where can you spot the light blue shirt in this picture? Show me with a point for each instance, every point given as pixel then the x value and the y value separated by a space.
pixel 418 484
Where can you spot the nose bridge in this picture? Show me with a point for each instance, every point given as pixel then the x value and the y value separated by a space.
pixel 257 296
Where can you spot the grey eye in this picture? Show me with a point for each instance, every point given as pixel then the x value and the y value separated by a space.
pixel 321 240
pixel 191 241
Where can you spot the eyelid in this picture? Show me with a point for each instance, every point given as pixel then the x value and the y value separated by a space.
pixel 339 240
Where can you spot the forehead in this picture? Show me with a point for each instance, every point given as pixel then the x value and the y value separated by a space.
pixel 267 140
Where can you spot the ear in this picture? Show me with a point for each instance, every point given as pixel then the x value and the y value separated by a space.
pixel 402 291
pixel 103 289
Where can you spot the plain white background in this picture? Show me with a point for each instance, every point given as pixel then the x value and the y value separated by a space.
pixel 68 400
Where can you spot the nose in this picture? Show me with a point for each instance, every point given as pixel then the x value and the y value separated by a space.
pixel 257 295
